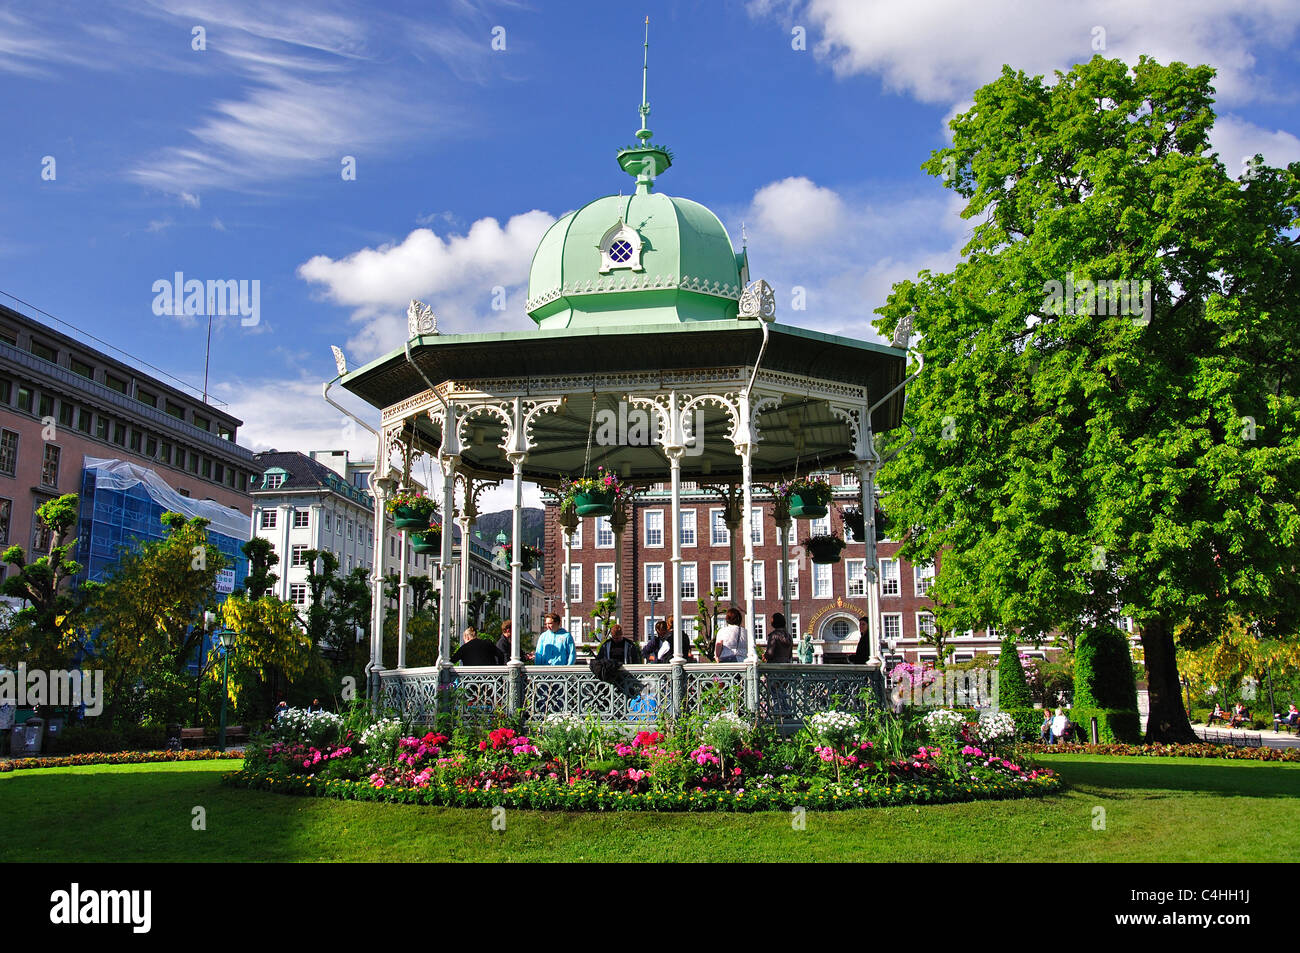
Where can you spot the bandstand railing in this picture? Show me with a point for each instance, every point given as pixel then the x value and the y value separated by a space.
pixel 784 695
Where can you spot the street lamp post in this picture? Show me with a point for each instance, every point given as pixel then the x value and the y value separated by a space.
pixel 226 640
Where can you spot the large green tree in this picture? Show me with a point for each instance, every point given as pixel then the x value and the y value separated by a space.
pixel 1072 460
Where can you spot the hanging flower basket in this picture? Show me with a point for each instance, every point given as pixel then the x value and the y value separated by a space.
pixel 824 549
pixel 809 497
pixel 411 510
pixel 428 542
pixel 855 528
pixel 531 557
pixel 593 496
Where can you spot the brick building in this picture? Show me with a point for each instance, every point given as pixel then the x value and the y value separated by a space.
pixel 826 600
pixel 63 402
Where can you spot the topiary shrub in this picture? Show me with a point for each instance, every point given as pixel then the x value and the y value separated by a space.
pixel 1013 689
pixel 1103 671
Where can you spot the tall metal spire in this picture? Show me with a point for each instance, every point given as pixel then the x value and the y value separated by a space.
pixel 644 133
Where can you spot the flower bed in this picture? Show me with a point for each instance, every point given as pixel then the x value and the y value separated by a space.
pixel 116 757
pixel 721 762
pixel 1230 752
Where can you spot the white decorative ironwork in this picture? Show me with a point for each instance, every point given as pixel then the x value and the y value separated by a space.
pixel 715 686
pixel 902 333
pixel 620 247
pixel 644 282
pixel 420 319
pixel 641 694
pixel 788 694
pixel 340 362
pixel 758 301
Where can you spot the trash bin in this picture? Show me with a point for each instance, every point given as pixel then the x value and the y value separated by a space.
pixel 53 731
pixel 25 740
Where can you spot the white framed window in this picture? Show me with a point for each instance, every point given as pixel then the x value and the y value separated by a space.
pixel 924 578
pixel 756 525
pixel 822 584
pixel 338 525
pixel 720 578
pixel 575 628
pixel 719 535
pixel 855 577
pixel 326 524
pixel 349 530
pixel 688 527
pixel 298 593
pixel 575 583
pixel 690 582
pixel 648 624
pixel 924 625
pixel 577 535
pixel 891 625
pixel 604 579
pixel 654 528
pixel 963 656
pixel 820 527
pixel 995 633
pixel 759 579
pixel 273 481
pixel 848 478
pixel 794 626
pixel 604 533
pixel 760 627
pixel 268 519
pixel 654 581
pixel 299 557
pixel 889 585
pixel 301 519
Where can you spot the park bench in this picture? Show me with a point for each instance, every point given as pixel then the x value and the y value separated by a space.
pixel 199 736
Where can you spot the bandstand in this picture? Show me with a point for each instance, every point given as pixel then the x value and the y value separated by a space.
pixel 642 300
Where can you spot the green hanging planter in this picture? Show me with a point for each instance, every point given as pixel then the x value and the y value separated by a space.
pixel 594 502
pixel 806 509
pixel 824 549
pixel 407 518
pixel 428 542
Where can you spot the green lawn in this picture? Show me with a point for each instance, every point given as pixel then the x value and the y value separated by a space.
pixel 1156 809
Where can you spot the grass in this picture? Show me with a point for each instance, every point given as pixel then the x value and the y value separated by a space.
pixel 1155 810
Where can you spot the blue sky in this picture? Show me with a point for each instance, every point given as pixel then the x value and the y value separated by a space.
pixel 225 162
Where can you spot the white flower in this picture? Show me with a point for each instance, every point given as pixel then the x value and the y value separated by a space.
pixel 994 726
pixel 942 721
pixel 381 731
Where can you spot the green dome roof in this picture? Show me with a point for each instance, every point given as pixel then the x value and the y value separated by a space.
pixel 631 259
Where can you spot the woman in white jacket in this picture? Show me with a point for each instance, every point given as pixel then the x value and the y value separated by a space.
pixel 732 644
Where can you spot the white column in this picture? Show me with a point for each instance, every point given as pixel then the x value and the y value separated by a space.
pixel 568 570
pixel 466 521
pixel 378 495
pixel 747 525
pixel 401 602
pixel 516 459
pixel 674 447
pixel 445 614
pixel 867 478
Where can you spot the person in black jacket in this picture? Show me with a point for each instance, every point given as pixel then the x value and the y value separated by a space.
pixel 476 651
pixel 659 647
pixel 503 643
pixel 780 648
pixel 618 649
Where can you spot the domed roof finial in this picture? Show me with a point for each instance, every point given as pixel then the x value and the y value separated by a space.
pixel 644 134
pixel 644 161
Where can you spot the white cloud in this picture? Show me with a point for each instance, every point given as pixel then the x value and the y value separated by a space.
pixel 315 425
pixel 1236 141
pixel 189 199
pixel 795 211
pixel 457 275
pixel 848 270
pixel 940 50
pixel 158 225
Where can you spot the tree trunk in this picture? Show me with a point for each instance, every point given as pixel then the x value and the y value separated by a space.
pixel 1167 721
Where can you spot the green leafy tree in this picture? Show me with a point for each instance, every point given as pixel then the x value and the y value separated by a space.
pixel 708 611
pixel 422 591
pixel 41 632
pixel 261 557
pixel 1071 459
pixel 269 641
pixel 148 615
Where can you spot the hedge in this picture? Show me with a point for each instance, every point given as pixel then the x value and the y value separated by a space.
pixel 1013 689
pixel 124 757
pixel 1113 727
pixel 1103 671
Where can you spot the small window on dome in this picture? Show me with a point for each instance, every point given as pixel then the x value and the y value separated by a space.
pixel 620 247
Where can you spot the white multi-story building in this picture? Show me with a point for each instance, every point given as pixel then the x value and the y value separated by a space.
pixel 321 501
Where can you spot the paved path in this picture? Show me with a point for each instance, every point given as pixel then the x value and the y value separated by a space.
pixel 1270 739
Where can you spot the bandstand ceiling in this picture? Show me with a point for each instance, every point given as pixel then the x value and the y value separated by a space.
pixel 596 368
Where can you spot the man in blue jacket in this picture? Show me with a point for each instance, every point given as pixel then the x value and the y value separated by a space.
pixel 555 644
